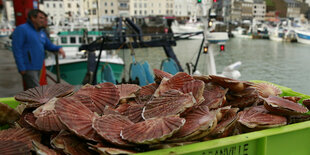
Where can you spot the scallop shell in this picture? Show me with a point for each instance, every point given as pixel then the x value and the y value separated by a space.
pixel 12 147
pixel 42 94
pixel 7 114
pixel 134 112
pixel 245 98
pixel 30 119
pixel 306 102
pixel 292 98
pixel 214 96
pixel 19 135
pixel 87 101
pixel 282 106
pixel 172 102
pixel 46 117
pixel 145 94
pixel 198 121
pixel 127 90
pixel 77 117
pixel 42 149
pixel 266 89
pixel 153 130
pixel 205 78
pixel 232 84
pixel 70 144
pixel 175 82
pixel 101 149
pixel 196 87
pixel 226 124
pixel 159 75
pixel 256 117
pixel 102 95
pixel 109 127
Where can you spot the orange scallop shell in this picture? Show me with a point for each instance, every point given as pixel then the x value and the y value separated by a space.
pixel 153 130
pixel 77 117
pixel 42 94
pixel 109 127
pixel 214 96
pixel 134 112
pixel 102 95
pixel 172 102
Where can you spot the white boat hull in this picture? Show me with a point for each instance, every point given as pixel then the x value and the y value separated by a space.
pixel 303 36
pixel 216 37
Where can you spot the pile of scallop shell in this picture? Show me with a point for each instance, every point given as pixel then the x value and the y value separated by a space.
pixel 124 119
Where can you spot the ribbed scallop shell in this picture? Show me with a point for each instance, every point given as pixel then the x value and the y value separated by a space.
pixel 282 106
pixel 213 95
pixel 198 121
pixel 134 112
pixel 256 117
pixel 104 94
pixel 266 89
pixel 196 87
pixel 77 117
pixel 109 127
pixel 87 101
pixel 172 102
pixel 14 147
pixel 245 98
pixel 205 78
pixel 306 102
pixel 226 124
pixel 7 114
pixel 42 149
pixel 292 98
pixel 30 119
pixel 175 82
pixel 102 149
pixel 127 90
pixel 153 130
pixel 159 75
pixel 232 84
pixel 70 144
pixel 22 135
pixel 42 94
pixel 146 93
pixel 46 117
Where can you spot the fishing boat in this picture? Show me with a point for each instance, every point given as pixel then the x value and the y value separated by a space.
pixel 277 33
pixel 303 36
pixel 240 32
pixel 74 66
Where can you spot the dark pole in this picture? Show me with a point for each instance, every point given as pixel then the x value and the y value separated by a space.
pixel 57 68
pixel 196 63
pixel 94 81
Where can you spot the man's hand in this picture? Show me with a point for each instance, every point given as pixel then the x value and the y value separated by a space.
pixel 22 72
pixel 62 53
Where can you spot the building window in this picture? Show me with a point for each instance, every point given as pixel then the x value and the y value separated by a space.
pixel 111 3
pixel 63 40
pixel 135 12
pixel 105 3
pixel 69 5
pixel 140 12
pixel 47 5
pixel 145 12
pixel 77 5
pixel 94 11
pixel 60 5
pixel 106 11
pixel 72 40
pixel 135 5
pixel 145 5
pixel 54 5
pixel 112 11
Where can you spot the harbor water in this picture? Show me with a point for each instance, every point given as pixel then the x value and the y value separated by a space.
pixel 282 63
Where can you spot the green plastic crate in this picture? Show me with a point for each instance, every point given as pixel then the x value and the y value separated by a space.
pixel 291 139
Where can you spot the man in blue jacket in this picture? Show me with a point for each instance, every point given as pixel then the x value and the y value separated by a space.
pixel 28 43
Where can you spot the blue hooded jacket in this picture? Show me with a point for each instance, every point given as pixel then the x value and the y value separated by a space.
pixel 28 47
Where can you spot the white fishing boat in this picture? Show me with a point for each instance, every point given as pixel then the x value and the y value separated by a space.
pixel 240 32
pixel 303 36
pixel 276 33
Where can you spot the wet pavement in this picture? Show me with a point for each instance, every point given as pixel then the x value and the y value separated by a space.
pixel 10 79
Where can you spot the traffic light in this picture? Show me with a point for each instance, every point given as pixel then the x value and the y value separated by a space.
pixel 214 1
pixel 205 50
pixel 222 48
pixel 199 1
